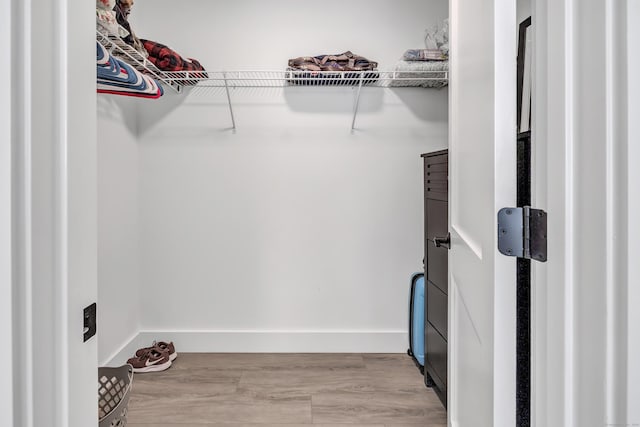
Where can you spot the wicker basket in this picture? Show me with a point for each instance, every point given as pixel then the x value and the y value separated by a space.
pixel 114 389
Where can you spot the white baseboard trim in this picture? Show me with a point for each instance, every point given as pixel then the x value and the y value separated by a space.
pixel 280 341
pixel 126 351
pixel 267 342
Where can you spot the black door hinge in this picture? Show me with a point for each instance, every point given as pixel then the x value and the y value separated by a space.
pixel 522 233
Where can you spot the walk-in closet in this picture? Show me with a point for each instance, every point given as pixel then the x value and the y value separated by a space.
pixel 268 221
pixel 381 213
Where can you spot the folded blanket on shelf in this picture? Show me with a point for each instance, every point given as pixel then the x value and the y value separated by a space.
pixel 416 71
pixel 346 61
pixel 424 55
pixel 167 59
pixel 117 77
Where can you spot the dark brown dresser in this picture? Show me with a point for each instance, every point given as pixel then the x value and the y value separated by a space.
pixel 436 246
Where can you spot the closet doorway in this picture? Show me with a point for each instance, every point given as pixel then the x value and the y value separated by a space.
pixel 578 302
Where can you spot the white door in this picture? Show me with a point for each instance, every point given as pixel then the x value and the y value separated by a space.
pixel 483 180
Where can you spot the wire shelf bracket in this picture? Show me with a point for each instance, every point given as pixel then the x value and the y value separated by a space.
pixel 226 87
pixel 356 105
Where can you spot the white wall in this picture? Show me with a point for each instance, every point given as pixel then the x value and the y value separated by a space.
pixel 523 10
pixel 293 224
pixel 258 34
pixel 118 260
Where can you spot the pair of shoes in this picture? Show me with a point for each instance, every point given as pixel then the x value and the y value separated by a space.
pixel 156 358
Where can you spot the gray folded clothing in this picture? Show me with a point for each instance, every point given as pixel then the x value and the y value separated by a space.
pixel 428 74
pixel 424 55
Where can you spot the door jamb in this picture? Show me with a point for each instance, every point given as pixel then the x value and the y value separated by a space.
pixel 560 303
pixel 52 195
pixel 6 218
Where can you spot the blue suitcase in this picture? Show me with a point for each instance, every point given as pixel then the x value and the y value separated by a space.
pixel 416 321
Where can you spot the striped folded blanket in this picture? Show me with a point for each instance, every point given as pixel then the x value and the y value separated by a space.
pixel 116 77
pixel 346 61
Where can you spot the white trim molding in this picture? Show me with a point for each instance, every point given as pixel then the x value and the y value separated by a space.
pixel 6 218
pixel 258 341
pixel 585 351
pixel 53 211
pixel 631 14
pixel 22 303
pixel 552 283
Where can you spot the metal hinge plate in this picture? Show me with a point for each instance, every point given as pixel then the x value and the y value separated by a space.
pixel 522 233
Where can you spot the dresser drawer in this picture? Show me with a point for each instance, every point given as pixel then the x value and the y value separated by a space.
pixel 437 259
pixel 436 182
pixel 436 353
pixel 436 177
pixel 438 159
pixel 436 167
pixel 437 309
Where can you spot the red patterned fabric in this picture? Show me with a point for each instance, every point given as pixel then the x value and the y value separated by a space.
pixel 168 60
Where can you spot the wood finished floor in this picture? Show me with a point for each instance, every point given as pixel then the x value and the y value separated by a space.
pixel 290 390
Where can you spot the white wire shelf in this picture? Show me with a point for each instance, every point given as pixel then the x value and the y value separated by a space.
pixel 260 78
pixel 200 81
pixel 210 82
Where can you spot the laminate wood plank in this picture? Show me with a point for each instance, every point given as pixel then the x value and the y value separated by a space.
pixel 263 361
pixel 265 425
pixel 394 373
pixel 377 407
pixel 373 360
pixel 202 409
pixel 397 380
pixel 285 390
pixel 305 382
pixel 187 382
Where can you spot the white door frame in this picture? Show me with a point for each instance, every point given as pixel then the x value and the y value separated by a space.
pixel 585 139
pixel 6 258
pixel 53 211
